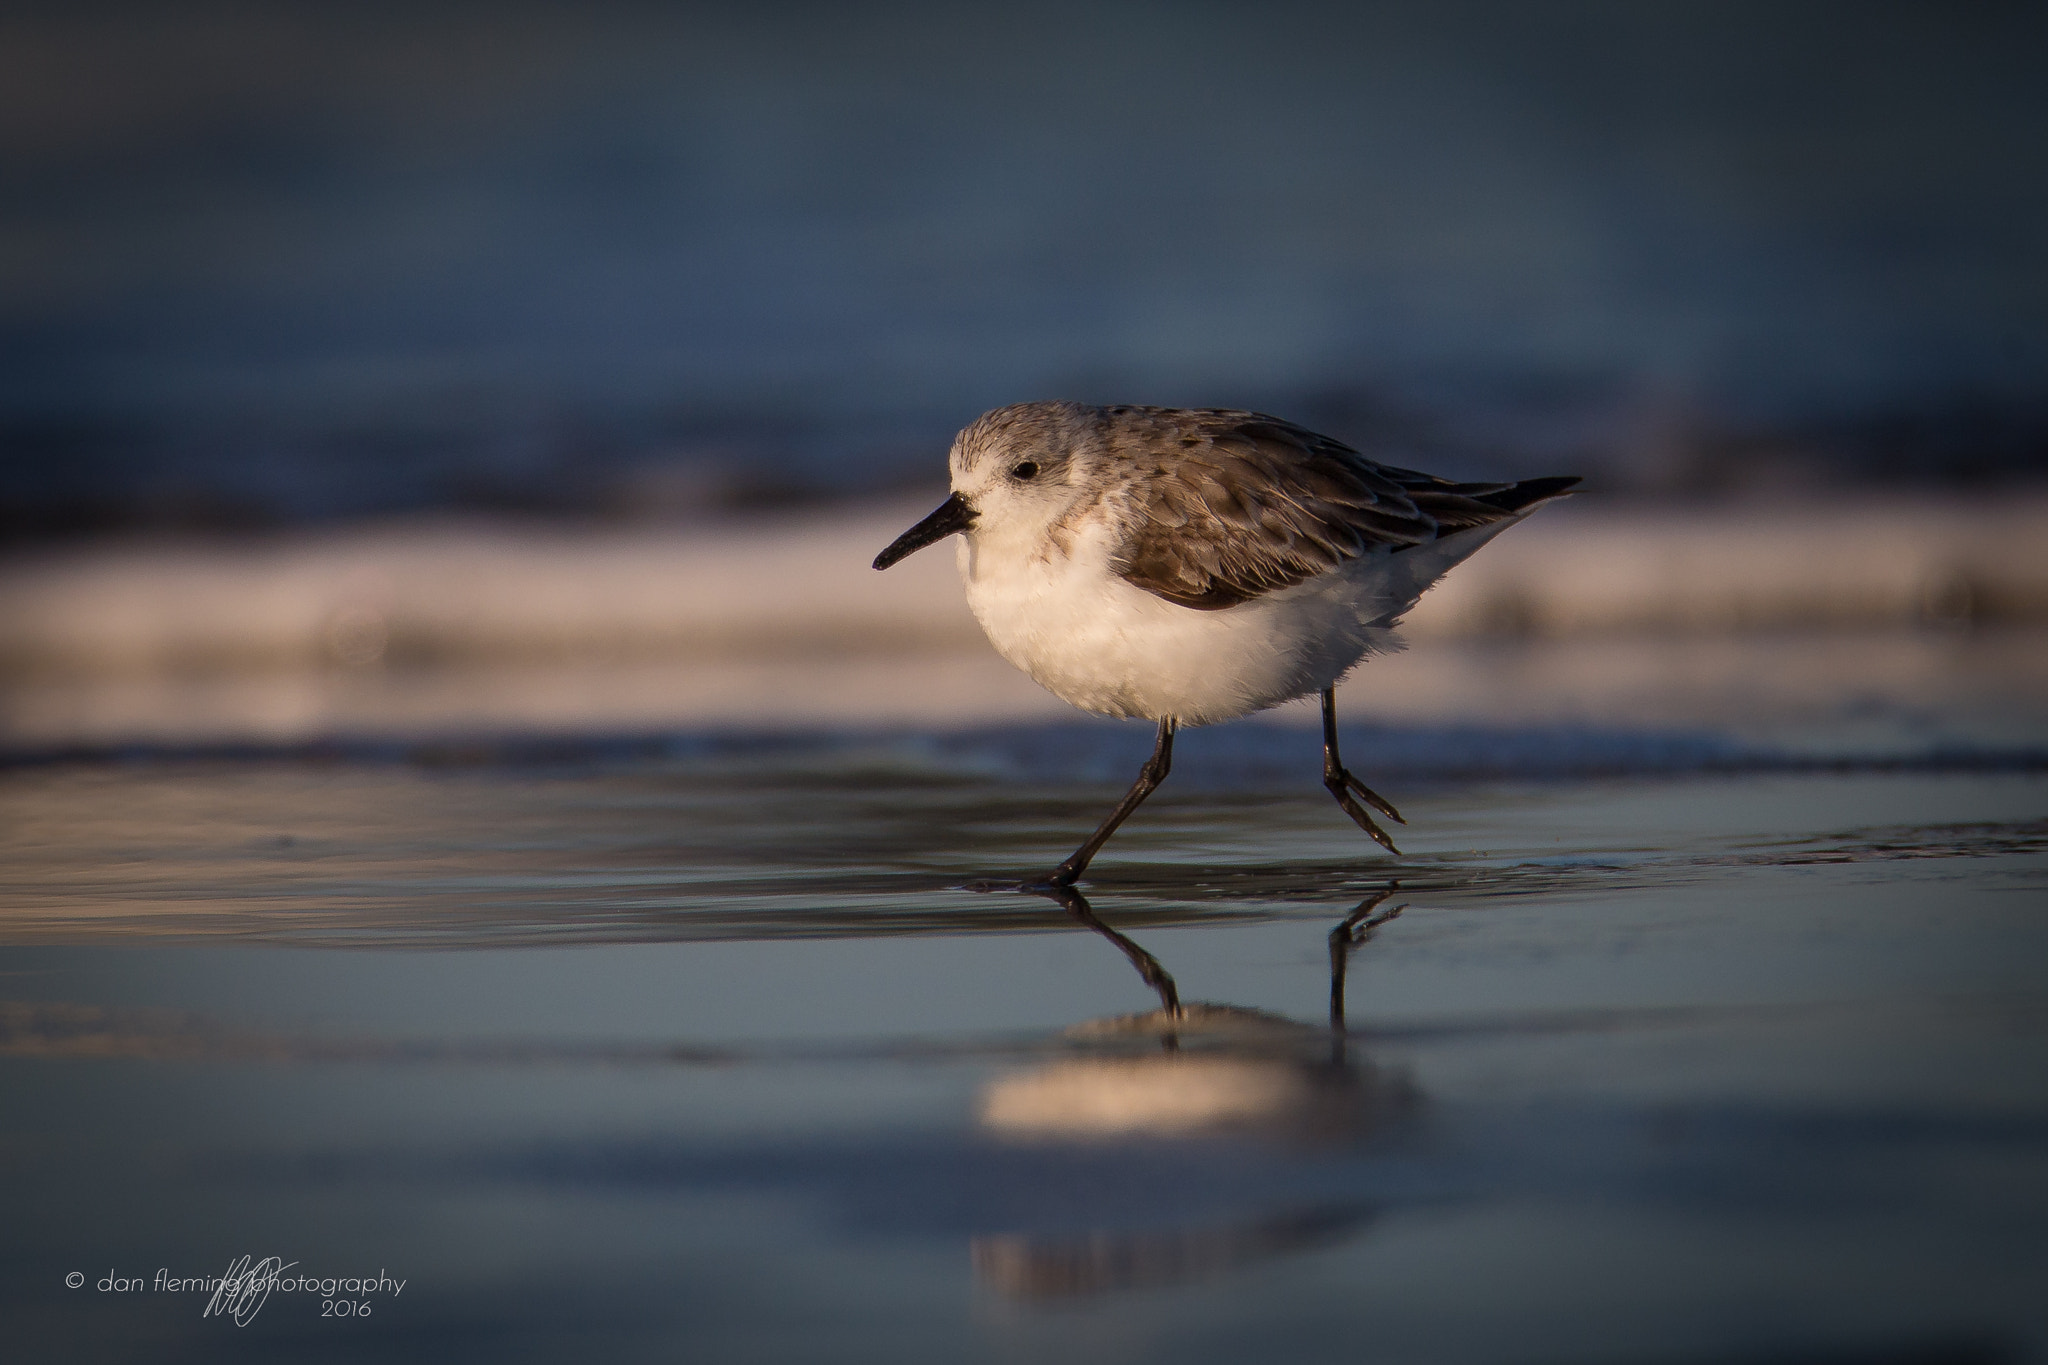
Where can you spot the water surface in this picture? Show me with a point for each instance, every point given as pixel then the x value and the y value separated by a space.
pixel 722 1052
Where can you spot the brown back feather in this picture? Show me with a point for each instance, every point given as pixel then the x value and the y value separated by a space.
pixel 1230 505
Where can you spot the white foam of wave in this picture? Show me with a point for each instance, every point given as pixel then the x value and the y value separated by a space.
pixel 1617 614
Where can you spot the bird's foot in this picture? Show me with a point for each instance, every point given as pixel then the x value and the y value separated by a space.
pixel 1372 798
pixel 1049 884
pixel 1340 784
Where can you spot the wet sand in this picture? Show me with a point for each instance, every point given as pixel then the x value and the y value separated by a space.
pixel 720 1055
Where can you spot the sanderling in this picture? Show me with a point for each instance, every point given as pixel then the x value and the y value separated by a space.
pixel 1196 565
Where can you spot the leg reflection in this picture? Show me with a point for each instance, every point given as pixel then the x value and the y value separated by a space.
pixel 1148 966
pixel 1355 928
pixel 1277 1088
pixel 1358 926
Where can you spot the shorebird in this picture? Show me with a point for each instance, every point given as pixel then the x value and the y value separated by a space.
pixel 1194 565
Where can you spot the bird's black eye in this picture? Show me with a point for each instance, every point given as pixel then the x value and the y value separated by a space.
pixel 1026 470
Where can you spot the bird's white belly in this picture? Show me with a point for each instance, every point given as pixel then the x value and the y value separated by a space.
pixel 1094 640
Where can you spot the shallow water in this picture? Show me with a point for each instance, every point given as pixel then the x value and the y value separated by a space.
pixel 715 1050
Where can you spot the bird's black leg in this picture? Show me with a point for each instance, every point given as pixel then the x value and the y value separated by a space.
pixel 1149 777
pixel 1342 783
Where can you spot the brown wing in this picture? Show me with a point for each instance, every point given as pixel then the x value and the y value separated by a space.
pixel 1233 504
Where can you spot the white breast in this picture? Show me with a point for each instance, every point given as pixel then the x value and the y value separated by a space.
pixel 1094 640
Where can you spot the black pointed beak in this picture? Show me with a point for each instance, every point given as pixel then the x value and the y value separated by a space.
pixel 953 515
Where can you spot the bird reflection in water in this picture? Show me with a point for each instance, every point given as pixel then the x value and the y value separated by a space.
pixel 1187 1074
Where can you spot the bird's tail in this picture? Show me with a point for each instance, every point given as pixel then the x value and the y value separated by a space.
pixel 1456 506
pixel 1470 515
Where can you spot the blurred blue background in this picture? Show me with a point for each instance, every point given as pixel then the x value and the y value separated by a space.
pixel 261 264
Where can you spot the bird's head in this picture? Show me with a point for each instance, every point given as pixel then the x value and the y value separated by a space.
pixel 1016 471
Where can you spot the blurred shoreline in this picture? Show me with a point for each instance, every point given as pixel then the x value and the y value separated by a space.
pixel 438 592
pixel 1745 616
